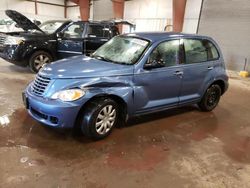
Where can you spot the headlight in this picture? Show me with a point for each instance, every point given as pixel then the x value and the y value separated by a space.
pixel 68 95
pixel 13 40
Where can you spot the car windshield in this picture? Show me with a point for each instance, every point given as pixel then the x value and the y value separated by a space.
pixel 50 27
pixel 121 50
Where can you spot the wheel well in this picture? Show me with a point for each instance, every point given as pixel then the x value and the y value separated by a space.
pixel 121 103
pixel 221 84
pixel 41 49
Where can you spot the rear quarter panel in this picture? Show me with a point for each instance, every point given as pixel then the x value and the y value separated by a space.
pixel 220 73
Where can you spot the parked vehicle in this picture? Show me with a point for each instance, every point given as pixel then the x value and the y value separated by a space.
pixel 130 75
pixel 8 25
pixel 52 40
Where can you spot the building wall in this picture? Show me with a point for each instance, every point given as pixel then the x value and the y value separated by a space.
pixel 73 12
pixel 45 12
pixel 102 10
pixel 149 15
pixel 154 15
pixel 191 18
pixel 228 22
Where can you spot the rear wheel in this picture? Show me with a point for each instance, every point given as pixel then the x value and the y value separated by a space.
pixel 211 98
pixel 38 60
pixel 99 118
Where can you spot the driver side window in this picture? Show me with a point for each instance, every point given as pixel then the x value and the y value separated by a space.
pixel 164 55
pixel 74 31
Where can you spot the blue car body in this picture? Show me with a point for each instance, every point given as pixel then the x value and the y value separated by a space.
pixel 141 90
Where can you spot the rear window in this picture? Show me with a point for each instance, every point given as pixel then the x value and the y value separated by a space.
pixel 198 51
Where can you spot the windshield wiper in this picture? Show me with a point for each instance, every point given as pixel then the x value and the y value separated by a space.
pixel 103 58
pixel 108 60
pixel 121 63
pixel 100 57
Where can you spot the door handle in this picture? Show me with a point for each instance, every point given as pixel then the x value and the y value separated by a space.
pixel 178 73
pixel 210 68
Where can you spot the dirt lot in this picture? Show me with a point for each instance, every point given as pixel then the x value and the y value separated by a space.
pixel 176 148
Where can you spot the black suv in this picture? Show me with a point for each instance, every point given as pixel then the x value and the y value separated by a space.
pixel 53 40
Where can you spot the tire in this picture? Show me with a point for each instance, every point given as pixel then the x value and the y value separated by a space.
pixel 38 59
pixel 94 114
pixel 211 98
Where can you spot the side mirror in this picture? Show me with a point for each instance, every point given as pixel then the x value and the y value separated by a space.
pixel 151 64
pixel 59 35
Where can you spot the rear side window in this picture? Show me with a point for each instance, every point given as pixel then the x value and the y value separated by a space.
pixel 198 51
pixel 98 31
pixel 114 31
pixel 106 32
pixel 212 52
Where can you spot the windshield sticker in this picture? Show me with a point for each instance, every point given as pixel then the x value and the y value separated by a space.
pixel 140 42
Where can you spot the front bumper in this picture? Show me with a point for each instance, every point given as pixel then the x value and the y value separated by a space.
pixel 13 54
pixel 51 112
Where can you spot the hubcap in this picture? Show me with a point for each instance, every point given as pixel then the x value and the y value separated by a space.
pixel 105 119
pixel 41 60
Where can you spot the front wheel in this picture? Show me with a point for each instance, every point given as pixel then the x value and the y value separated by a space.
pixel 38 60
pixel 99 118
pixel 211 98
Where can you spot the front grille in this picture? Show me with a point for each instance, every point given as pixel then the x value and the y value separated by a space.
pixel 40 84
pixel 2 39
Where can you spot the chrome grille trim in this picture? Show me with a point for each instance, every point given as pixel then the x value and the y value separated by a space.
pixel 2 39
pixel 40 84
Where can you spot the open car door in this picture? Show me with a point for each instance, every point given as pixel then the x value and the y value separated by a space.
pixel 129 26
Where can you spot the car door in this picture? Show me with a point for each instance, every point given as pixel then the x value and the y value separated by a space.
pixel 198 68
pixel 157 84
pixel 96 36
pixel 70 41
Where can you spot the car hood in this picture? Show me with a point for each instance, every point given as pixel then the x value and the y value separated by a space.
pixel 22 21
pixel 84 67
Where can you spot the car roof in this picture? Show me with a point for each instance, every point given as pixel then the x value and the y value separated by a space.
pixel 96 22
pixel 57 20
pixel 158 36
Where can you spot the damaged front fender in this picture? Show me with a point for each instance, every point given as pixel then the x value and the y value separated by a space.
pixel 119 86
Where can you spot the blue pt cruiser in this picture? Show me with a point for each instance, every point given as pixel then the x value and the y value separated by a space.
pixel 130 75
